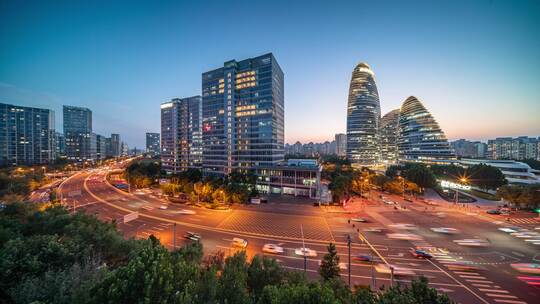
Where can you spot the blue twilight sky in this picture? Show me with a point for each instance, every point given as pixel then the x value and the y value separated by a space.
pixel 474 64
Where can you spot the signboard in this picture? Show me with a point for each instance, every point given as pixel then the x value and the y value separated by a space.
pixel 447 184
pixel 74 193
pixel 131 216
pixel 256 201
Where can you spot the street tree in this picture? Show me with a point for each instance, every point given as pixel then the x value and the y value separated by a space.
pixel 329 268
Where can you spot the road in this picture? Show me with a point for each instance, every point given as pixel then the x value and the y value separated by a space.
pixel 283 224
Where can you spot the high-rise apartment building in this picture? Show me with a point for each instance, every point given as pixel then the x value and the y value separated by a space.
pixel 116 145
pixel 469 149
pixel 420 137
pixel 363 115
pixel 518 148
pixel 181 137
pixel 101 146
pixel 78 134
pixel 26 135
pixel 60 144
pixel 243 115
pixel 153 146
pixel 341 144
pixel 388 133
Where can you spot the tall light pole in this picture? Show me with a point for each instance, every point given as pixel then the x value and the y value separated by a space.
pixel 303 248
pixel 349 246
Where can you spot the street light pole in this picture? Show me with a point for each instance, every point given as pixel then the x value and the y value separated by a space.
pixel 391 276
pixel 349 245
pixel 303 248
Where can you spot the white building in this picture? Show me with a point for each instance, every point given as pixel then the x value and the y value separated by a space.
pixel 515 172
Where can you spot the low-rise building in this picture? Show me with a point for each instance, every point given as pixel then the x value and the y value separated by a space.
pixel 515 172
pixel 298 177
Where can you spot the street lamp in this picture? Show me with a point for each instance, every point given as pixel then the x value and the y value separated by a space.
pixel 349 268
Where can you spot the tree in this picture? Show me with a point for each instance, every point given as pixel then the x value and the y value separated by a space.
pixel 420 175
pixel 392 171
pixel 379 180
pixel 486 177
pixel 263 271
pixel 521 195
pixel 329 268
pixel 340 186
pixel 232 285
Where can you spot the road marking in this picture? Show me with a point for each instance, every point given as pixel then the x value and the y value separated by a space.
pixel 493 290
pixel 462 272
pixel 496 295
pixel 518 253
pixel 481 285
pixel 479 281
pixel 509 301
pixel 472 276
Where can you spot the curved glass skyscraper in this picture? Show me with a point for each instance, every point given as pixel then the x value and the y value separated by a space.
pixel 388 134
pixel 420 137
pixel 363 115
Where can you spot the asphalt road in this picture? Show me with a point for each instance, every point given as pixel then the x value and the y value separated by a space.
pixel 292 225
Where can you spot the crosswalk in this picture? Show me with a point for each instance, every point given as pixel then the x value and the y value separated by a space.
pixel 477 280
pixel 532 221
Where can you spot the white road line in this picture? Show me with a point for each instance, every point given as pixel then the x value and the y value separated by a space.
pixel 481 285
pixel 479 281
pixel 509 301
pixel 496 295
pixel 463 272
pixel 472 277
pixel 493 290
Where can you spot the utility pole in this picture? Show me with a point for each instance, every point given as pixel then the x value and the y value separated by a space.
pixel 391 276
pixel 349 245
pixel 303 248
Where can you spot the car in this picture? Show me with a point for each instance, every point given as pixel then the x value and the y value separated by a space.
pixel 192 236
pixel 305 252
pixel 403 226
pixel 362 258
pixel 404 236
pixel 445 230
pixel 389 202
pixel 359 220
pixel 441 214
pixel 494 212
pixel 272 248
pixel 472 242
pixel 238 242
pixel 163 207
pixel 186 211
pixel 508 229
pixel 374 229
pixel 421 254
pixel 532 268
pixel 398 271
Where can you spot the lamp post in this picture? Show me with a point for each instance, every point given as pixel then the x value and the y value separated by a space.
pixel 349 246
pixel 303 248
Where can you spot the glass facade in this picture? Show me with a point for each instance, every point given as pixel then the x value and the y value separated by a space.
pixel 181 138
pixel 78 134
pixel 152 143
pixel 363 115
pixel 27 135
pixel 388 137
pixel 243 115
pixel 420 137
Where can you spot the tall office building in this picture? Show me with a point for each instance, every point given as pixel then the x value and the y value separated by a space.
pixel 243 115
pixel 78 134
pixel 388 133
pixel 116 145
pixel 420 137
pixel 363 115
pixel 101 146
pixel 341 144
pixel 153 144
pixel 26 135
pixel 181 141
pixel 60 144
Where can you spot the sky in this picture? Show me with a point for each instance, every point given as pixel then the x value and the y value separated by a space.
pixel 474 64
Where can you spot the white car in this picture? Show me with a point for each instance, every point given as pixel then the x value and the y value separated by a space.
pixel 186 211
pixel 404 236
pixel 163 207
pixel 441 214
pixel 527 267
pixel 272 248
pixel 445 230
pixel 472 242
pixel 403 226
pixel 400 271
pixel 238 242
pixel 374 229
pixel 305 252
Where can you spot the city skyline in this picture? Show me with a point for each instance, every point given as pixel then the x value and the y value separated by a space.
pixel 477 72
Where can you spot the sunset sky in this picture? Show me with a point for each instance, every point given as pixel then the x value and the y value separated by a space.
pixel 474 64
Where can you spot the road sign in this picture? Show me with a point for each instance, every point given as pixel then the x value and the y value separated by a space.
pixel 131 216
pixel 74 193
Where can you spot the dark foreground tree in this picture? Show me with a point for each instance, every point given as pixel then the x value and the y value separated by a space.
pixel 329 268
